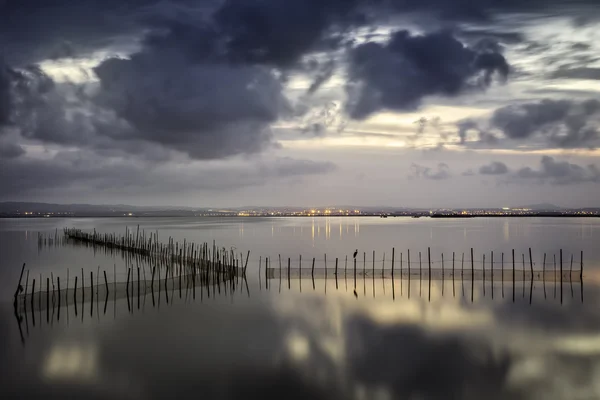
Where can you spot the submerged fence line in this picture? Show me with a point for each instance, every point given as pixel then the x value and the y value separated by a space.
pixel 193 264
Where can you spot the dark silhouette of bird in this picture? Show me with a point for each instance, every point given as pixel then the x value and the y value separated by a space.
pixel 355 294
pixel 355 253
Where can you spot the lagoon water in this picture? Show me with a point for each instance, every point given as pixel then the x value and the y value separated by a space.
pixel 327 338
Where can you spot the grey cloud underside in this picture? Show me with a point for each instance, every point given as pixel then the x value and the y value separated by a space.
pixel 560 172
pixel 554 123
pixel 563 122
pixel 439 173
pixel 495 168
pixel 399 74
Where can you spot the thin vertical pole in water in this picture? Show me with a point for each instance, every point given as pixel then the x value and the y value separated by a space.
pixel 492 269
pixel 364 265
pixel 483 274
pixel 472 275
pixel 325 266
pixel 246 265
pixel 408 256
pixel 267 273
pixel 561 277
pixel 420 276
pixel 127 289
pixel 513 276
pixel 544 274
pixel 571 269
pixel 75 293
pixel 47 299
pixel 138 286
pixel 581 274
pixel 571 276
pixel 27 283
pixel 312 273
pixel 152 281
pixel 429 271
pixel 373 265
pixel 82 289
pixel 59 298
pixel 453 288
pixel 106 282
pixel 152 284
pixel 166 288
pixel 530 264
pixel 531 270
pixel 300 267
pixel 443 273
pixel 19 287
pixel 502 266
pixel 580 267
pixel 393 250
pixel 408 252
pixel 345 267
pixel 364 273
pixel 289 282
pixel 32 295
pixel 336 273
pixel 354 273
pixel 260 272
pixel 523 265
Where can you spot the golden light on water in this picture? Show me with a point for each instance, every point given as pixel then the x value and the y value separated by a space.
pixel 75 363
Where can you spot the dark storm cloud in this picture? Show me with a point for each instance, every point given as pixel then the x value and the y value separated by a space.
pixel 495 168
pixel 34 30
pixel 167 95
pixel 208 110
pixel 206 76
pixel 439 173
pixel 399 74
pixel 560 172
pixel 564 123
pixel 281 32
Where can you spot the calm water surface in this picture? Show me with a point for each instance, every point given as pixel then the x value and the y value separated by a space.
pixel 380 339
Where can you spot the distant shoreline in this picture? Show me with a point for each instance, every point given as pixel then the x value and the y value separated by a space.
pixel 415 216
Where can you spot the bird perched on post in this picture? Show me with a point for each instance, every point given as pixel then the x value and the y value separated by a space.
pixel 355 253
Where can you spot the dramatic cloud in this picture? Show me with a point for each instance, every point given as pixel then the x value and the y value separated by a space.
pixel 144 91
pixel 560 172
pixel 281 32
pixel 564 123
pixel 207 110
pixel 440 173
pixel 495 168
pixel 399 74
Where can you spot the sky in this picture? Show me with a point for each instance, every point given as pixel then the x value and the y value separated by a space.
pixel 407 103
